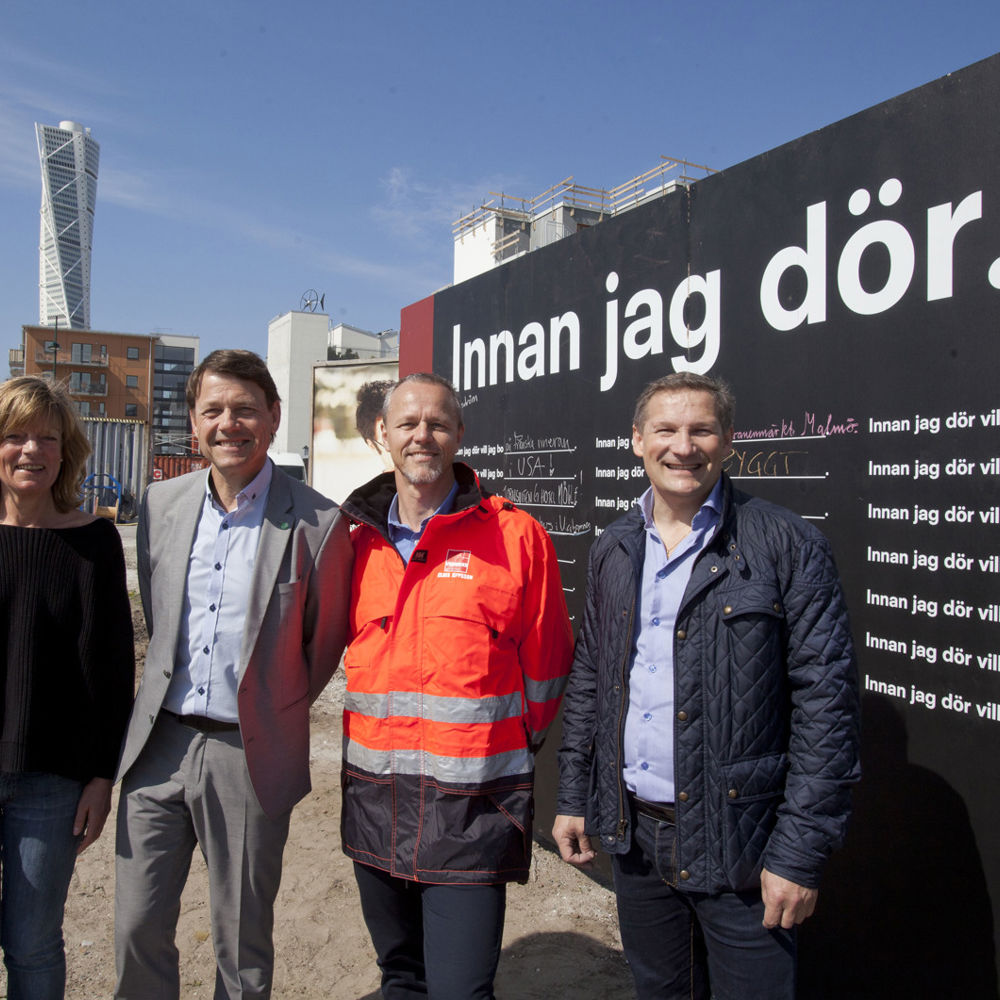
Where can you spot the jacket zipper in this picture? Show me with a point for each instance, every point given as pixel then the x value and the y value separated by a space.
pixel 621 721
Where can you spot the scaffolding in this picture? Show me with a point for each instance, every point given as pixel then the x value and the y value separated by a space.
pixel 514 215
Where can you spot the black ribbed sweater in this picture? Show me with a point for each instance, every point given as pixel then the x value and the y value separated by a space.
pixel 68 662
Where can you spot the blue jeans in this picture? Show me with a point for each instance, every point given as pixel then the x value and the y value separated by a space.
pixel 437 941
pixel 693 945
pixel 37 851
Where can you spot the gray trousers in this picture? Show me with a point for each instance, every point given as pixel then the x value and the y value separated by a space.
pixel 188 788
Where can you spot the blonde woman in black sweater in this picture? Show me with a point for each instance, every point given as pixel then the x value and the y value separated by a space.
pixel 66 676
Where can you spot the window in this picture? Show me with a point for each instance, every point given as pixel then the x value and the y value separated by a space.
pixel 82 353
pixel 131 409
pixel 132 381
pixel 132 353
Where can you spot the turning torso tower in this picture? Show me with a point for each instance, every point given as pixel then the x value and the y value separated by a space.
pixel 69 158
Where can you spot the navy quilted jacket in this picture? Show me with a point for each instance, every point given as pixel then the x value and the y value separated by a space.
pixel 765 687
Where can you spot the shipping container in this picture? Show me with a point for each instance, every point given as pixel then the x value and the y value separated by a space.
pixel 119 449
pixel 171 466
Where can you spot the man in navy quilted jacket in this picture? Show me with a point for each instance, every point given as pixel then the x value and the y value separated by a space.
pixel 711 722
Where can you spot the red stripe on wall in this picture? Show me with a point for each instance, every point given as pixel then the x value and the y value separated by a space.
pixel 416 337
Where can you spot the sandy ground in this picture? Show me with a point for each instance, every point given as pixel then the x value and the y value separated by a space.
pixel 561 938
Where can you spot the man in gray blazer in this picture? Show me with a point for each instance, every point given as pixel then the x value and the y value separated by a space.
pixel 245 581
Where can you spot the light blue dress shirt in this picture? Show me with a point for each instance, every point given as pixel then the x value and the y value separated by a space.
pixel 402 536
pixel 649 721
pixel 220 571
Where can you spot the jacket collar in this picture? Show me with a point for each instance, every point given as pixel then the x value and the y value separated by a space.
pixel 369 504
pixel 629 530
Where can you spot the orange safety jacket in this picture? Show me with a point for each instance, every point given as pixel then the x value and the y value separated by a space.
pixel 455 669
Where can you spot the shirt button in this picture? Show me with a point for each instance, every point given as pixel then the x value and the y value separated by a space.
pixel 728 609
pixel 644 766
pixel 683 797
pixel 656 621
pixel 225 525
pixel 682 716
pixel 681 634
pixel 211 607
pixel 685 874
pixel 652 668
pixel 218 565
pixel 201 690
pixel 733 793
pixel 647 715
pixel 205 650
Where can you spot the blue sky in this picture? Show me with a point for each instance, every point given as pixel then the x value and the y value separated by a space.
pixel 251 151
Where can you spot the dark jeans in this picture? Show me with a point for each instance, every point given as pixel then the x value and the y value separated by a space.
pixel 692 945
pixel 437 941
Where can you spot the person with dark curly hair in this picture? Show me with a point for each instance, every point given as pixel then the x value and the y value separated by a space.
pixel 369 420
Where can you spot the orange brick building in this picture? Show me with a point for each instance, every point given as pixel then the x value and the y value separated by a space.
pixel 108 374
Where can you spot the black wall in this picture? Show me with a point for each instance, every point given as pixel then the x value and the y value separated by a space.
pixel 846 285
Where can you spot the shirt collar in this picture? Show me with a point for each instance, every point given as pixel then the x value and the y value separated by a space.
pixel 707 514
pixel 395 525
pixel 254 490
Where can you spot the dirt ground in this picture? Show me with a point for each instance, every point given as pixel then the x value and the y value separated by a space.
pixel 561 937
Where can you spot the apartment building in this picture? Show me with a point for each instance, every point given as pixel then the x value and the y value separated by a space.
pixel 118 376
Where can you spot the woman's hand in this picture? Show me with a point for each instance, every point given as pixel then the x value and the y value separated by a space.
pixel 91 811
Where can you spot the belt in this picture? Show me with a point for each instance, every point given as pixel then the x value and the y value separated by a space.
pixel 203 723
pixel 655 810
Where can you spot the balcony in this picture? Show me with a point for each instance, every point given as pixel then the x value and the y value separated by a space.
pixel 87 388
pixel 63 358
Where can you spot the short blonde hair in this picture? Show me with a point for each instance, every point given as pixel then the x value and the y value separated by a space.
pixel 30 399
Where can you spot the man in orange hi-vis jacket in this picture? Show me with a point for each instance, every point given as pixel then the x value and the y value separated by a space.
pixel 459 652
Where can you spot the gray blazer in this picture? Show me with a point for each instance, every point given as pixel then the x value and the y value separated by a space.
pixel 296 623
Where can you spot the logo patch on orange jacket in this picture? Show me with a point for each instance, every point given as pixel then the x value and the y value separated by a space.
pixel 456 565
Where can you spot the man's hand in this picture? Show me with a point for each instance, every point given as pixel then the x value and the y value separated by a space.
pixel 573 843
pixel 91 811
pixel 785 903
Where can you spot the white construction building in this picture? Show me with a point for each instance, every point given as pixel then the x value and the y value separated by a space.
pixel 295 342
pixel 69 160
pixel 355 342
pixel 506 227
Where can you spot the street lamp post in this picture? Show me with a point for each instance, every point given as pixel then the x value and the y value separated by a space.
pixel 55 349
